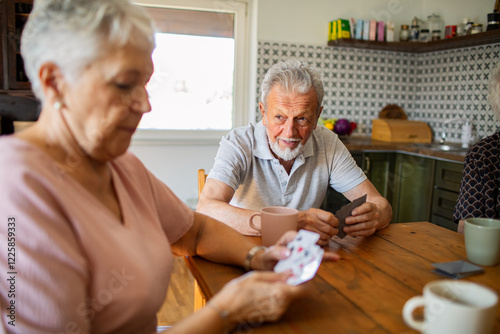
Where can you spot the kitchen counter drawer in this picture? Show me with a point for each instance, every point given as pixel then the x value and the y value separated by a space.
pixel 448 175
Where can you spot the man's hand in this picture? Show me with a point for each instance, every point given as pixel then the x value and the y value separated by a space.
pixel 365 220
pixel 322 222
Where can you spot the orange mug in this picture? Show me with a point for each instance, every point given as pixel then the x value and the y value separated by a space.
pixel 275 221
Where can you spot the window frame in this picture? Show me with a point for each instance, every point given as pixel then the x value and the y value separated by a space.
pixel 244 74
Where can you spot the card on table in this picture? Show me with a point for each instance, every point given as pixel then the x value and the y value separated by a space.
pixel 304 259
pixel 457 269
pixel 346 211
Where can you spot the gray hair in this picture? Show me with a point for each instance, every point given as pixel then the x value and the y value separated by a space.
pixel 74 33
pixel 292 76
pixel 494 91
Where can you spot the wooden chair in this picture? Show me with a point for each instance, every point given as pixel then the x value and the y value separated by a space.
pixel 199 299
pixel 202 177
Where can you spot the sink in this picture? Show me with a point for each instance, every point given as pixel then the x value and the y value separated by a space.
pixel 444 147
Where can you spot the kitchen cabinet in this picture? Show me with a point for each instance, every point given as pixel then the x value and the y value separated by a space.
pixel 334 200
pixel 379 168
pixel 14 15
pixel 418 187
pixel 447 178
pixel 413 186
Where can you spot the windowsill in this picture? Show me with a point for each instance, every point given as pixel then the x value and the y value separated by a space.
pixel 178 137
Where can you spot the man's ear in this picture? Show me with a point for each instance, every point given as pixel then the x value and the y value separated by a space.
pixel 262 113
pixel 318 115
pixel 51 81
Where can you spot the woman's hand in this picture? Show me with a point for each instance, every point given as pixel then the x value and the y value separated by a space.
pixel 255 297
pixel 266 260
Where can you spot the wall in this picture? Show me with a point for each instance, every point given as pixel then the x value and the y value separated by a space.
pixel 436 87
pixel 305 23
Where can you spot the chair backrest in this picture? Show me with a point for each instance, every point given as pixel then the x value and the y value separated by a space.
pixel 202 177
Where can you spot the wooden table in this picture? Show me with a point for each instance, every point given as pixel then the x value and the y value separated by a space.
pixel 365 291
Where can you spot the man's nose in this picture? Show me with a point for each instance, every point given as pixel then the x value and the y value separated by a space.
pixel 289 128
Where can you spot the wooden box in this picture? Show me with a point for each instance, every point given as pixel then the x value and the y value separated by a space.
pixel 401 131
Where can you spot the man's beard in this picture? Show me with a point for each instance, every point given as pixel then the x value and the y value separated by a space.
pixel 287 153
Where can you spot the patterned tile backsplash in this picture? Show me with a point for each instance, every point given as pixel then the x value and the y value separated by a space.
pixel 443 88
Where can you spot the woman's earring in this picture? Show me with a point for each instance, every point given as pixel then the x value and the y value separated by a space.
pixel 58 105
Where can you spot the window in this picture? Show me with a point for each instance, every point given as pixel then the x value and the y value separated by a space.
pixel 201 59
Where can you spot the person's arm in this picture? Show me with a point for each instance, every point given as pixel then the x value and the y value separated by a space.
pixel 256 296
pixel 214 202
pixel 262 294
pixel 371 216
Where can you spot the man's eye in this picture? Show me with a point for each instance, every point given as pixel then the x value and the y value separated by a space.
pixel 302 121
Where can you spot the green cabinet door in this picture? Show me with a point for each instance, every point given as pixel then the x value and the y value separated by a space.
pixel 414 181
pixel 379 168
pixel 447 178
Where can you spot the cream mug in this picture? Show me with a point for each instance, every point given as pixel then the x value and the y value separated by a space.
pixel 482 241
pixel 275 221
pixel 458 307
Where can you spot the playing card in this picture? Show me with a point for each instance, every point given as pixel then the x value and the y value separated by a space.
pixel 346 211
pixel 457 269
pixel 304 259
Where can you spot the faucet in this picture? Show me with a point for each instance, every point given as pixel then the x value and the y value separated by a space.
pixel 445 126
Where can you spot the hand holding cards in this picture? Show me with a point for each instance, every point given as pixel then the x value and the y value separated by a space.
pixel 304 259
pixel 346 211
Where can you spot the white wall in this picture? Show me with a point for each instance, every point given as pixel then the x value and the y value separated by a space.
pixel 177 165
pixel 301 22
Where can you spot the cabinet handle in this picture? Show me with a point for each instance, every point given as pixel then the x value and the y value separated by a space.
pixel 367 165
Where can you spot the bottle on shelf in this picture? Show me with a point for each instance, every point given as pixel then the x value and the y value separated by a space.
pixel 465 27
pixel 415 30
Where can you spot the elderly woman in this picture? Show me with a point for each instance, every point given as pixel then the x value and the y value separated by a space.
pixel 480 189
pixel 91 233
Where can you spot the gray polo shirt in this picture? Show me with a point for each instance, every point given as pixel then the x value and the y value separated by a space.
pixel 245 163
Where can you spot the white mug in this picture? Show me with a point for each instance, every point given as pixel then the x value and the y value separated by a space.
pixel 458 307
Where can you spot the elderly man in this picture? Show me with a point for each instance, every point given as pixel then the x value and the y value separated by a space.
pixel 286 160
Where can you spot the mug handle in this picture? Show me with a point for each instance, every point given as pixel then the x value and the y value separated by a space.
pixel 408 309
pixel 251 221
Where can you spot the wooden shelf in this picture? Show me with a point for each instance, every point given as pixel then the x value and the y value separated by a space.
pixel 483 38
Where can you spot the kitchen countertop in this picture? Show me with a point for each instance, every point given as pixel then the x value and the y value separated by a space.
pixel 361 143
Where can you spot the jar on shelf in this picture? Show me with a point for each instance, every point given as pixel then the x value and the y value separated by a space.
pixel 435 22
pixel 436 35
pixel 493 21
pixel 476 28
pixel 425 35
pixel 404 33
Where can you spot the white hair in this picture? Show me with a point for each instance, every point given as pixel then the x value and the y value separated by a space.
pixel 292 76
pixel 74 33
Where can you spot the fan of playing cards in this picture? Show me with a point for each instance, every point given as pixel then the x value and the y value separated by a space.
pixel 304 259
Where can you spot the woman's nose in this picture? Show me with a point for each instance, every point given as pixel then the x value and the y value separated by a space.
pixel 140 100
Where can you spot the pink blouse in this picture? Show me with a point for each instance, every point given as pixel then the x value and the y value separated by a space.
pixel 73 266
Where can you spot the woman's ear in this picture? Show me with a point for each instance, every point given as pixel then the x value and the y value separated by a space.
pixel 51 81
